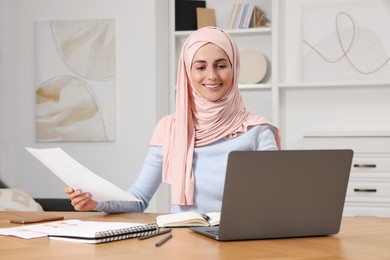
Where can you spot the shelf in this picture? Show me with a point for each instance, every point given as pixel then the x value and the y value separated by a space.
pixel 250 31
pixel 333 84
pixel 254 86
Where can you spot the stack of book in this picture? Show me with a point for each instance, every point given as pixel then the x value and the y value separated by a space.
pixel 247 15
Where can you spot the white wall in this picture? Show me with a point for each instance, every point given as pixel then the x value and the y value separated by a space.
pixel 142 96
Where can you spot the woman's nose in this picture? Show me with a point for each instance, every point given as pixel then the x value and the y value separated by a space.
pixel 212 74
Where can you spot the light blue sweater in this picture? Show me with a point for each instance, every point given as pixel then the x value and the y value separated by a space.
pixel 209 165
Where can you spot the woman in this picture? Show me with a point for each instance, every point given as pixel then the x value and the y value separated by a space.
pixel 189 148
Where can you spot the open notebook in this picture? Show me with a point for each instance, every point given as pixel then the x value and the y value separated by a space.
pixel 279 194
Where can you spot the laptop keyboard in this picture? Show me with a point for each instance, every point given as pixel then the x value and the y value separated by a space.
pixel 213 232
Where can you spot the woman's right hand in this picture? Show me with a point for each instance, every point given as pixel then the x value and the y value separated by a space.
pixel 81 201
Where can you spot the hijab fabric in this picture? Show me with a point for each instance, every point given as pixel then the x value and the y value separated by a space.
pixel 197 121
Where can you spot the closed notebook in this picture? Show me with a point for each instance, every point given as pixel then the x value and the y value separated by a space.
pixel 188 219
pixel 94 232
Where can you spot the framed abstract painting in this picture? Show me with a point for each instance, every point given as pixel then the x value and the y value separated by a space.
pixel 75 80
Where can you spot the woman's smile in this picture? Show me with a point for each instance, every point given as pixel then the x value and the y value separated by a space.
pixel 213 86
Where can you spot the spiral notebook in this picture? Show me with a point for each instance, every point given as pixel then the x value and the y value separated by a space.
pixel 94 232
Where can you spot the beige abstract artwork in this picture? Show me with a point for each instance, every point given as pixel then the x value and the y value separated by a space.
pixel 76 87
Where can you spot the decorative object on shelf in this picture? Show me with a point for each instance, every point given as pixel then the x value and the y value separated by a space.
pixel 253 67
pixel 353 43
pixel 185 14
pixel 205 17
pixel 75 80
pixel 247 15
pixel 259 19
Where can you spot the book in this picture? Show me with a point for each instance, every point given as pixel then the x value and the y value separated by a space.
pixel 233 16
pixel 188 219
pixel 240 14
pixel 185 14
pixel 248 15
pixel 205 17
pixel 94 232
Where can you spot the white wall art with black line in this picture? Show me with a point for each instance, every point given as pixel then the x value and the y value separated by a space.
pixel 346 41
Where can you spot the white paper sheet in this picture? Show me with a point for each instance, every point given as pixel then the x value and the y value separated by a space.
pixel 77 176
pixel 71 226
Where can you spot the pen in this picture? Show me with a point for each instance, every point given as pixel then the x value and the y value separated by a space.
pixel 207 218
pixel 162 241
pixel 155 234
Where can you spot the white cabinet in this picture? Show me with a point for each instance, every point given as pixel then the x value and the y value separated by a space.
pixel 369 187
pixel 259 98
pixel 368 192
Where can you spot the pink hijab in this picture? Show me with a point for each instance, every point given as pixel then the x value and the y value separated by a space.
pixel 198 122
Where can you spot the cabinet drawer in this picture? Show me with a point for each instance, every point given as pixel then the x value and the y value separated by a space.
pixel 366 166
pixel 366 209
pixel 366 191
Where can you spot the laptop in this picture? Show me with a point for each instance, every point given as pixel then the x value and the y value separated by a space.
pixel 282 194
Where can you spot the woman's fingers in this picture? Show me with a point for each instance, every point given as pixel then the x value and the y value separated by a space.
pixel 68 190
pixel 81 201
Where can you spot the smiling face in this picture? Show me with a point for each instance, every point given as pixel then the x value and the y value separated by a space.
pixel 211 72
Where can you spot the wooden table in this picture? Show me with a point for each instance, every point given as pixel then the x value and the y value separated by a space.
pixel 359 238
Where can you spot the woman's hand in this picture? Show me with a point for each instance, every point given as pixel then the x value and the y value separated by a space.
pixel 80 201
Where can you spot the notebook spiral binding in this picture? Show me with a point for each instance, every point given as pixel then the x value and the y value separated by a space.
pixel 125 233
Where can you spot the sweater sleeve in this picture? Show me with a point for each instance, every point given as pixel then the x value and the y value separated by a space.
pixel 266 138
pixel 144 188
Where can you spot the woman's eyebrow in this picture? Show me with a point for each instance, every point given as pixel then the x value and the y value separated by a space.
pixel 199 61
pixel 222 59
pixel 204 61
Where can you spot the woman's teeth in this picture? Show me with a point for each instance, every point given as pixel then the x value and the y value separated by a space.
pixel 213 86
